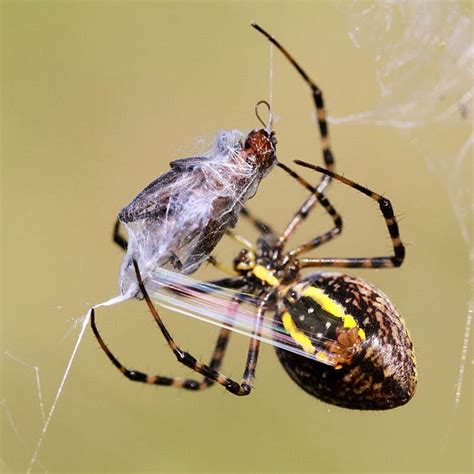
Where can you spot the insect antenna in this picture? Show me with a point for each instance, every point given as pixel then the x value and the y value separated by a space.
pixel 269 126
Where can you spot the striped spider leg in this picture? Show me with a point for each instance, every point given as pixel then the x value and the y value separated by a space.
pixel 386 209
pixel 210 372
pixel 328 156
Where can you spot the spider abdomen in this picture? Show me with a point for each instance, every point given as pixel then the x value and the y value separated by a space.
pixel 380 372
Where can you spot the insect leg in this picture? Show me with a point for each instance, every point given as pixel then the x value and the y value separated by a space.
pixel 117 238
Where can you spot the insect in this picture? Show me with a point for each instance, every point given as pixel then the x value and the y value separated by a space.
pixel 339 338
pixel 178 219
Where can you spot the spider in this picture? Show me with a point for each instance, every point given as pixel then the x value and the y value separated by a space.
pixel 372 364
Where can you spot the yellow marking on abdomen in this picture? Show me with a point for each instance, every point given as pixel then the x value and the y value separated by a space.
pixel 300 337
pixel 304 341
pixel 265 275
pixel 333 307
pixel 328 304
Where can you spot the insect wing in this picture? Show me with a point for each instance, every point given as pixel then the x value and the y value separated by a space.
pixel 184 164
pixel 154 200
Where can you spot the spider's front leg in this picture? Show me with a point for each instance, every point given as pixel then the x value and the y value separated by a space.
pixel 328 156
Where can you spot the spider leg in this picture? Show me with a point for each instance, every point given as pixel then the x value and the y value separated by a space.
pixel 252 356
pixel 324 201
pixel 240 240
pixel 240 389
pixel 117 238
pixel 188 384
pixel 254 346
pixel 222 339
pixel 211 375
pixel 386 209
pixel 221 266
pixel 327 153
pixel 261 226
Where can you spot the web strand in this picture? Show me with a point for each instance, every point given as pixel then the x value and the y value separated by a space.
pixel 270 83
pixel 46 423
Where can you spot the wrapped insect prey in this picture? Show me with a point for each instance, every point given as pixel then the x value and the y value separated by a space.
pixel 178 219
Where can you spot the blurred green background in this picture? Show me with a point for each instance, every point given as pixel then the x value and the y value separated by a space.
pixel 97 98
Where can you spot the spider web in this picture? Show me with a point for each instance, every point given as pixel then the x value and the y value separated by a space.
pixel 424 57
pixel 424 63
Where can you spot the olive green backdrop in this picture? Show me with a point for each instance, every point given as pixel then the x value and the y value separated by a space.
pixel 97 98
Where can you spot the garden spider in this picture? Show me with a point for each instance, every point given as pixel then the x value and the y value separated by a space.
pixel 368 362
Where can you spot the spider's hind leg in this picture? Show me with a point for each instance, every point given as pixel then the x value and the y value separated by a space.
pixel 178 382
